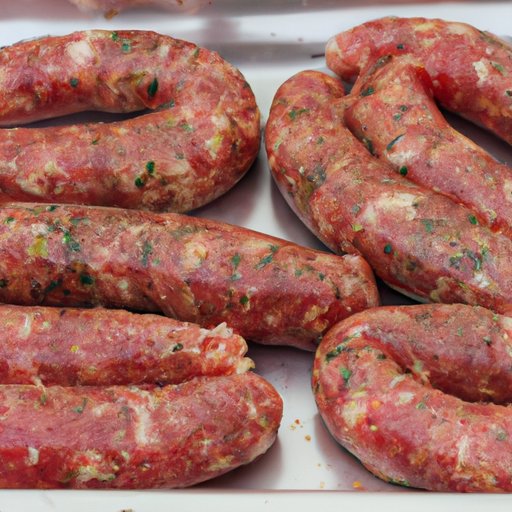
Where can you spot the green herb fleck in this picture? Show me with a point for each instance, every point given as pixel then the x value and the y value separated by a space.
pixel 86 279
pixel 196 52
pixel 473 220
pixel 393 142
pixel 501 436
pixel 53 285
pixel 74 82
pixel 421 405
pixel 428 224
pixel 498 67
pixel 477 260
pixel 368 91
pixel 403 108
pixel 3 283
pixel 403 170
pixel 346 374
pixel 126 47
pixel 153 88
pixel 186 127
pixel 357 227
pixel 268 258
pixel 95 141
pixel 150 167
pixel 43 398
pixel 235 260
pixel 76 220
pixel 397 116
pixel 179 156
pixel 70 242
pixel 400 46
pixel 177 347
pixel 8 220
pixel 297 112
pixel 115 36
pixel 147 250
pixel 51 208
pixel 321 276
pixel 320 140
pixel 80 408
pixel 317 177
pixel 244 300
pixel 139 182
pixel 388 248
pixel 368 144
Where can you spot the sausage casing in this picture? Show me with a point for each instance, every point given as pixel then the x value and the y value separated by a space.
pixel 266 289
pixel 201 137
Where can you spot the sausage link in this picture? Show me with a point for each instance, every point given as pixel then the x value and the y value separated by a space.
pixel 416 240
pixel 130 437
pixel 384 382
pixel 470 69
pixel 201 138
pixel 392 106
pixel 71 347
pixel 267 289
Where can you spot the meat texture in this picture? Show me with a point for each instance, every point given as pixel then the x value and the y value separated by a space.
pixel 392 107
pixel 70 347
pixel 132 437
pixel 200 138
pixel 395 386
pixel 470 69
pixel 418 241
pixel 267 289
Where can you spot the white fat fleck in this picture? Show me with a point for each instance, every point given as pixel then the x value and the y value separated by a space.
pixel 143 426
pixel 26 328
pixel 459 28
pixel 482 71
pixel 32 456
pixel 396 380
pixel 80 51
pixel 100 409
pixel 163 51
pixel 507 189
pixel 91 473
pixel 270 319
pixel 398 158
pixel 353 412
pixel 462 451
pixel 425 27
pixel 222 331
pixel 480 280
pixel 123 284
pixel 405 397
pixel 251 410
pixel 402 203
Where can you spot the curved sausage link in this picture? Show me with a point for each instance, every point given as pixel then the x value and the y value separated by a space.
pixel 416 240
pixel 392 106
pixel 70 347
pixel 196 270
pixel 201 138
pixel 130 437
pixel 384 382
pixel 470 69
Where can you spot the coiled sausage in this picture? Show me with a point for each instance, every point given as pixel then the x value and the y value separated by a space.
pixel 393 386
pixel 201 139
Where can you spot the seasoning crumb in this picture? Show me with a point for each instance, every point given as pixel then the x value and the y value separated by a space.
pixel 356 484
pixel 307 437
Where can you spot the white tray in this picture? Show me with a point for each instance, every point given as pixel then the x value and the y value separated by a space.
pixel 269 41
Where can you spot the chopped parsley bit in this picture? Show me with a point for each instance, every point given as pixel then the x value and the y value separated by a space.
pixel 403 170
pixel 115 36
pixel 150 167
pixel 320 140
pixel 501 436
pixel 74 82
pixel 357 227
pixel 473 220
pixel 177 347
pixel 460 331
pixel 404 108
pixel 86 279
pixel 321 276
pixel 3 283
pixel 8 220
pixel 400 46
pixel 387 249
pixel 95 141
pixel 139 182
pixel 355 209
pixel 298 272
pixel 477 260
pixel 244 300
pixel 268 258
pixel 43 398
pixel 147 250
pixel 235 260
pixel 53 285
pixel 318 176
pixel 80 408
pixel 51 208
pixel 498 67
pixel 428 224
pixel 153 88
pixel 487 340
pixel 179 156
pixel 76 220
pixel 368 91
pixel 196 52
pixel 297 112
pixel 126 47
pixel 186 127
pixel 393 142
pixel 346 374
pixel 70 242
pixel 421 405
pixel 397 116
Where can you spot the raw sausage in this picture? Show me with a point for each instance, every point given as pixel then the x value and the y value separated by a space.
pixel 393 386
pixel 201 138
pixel 132 437
pixel 70 347
pixel 416 240
pixel 470 69
pixel 392 107
pixel 267 289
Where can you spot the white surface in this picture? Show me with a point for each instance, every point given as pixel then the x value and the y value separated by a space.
pixel 269 41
